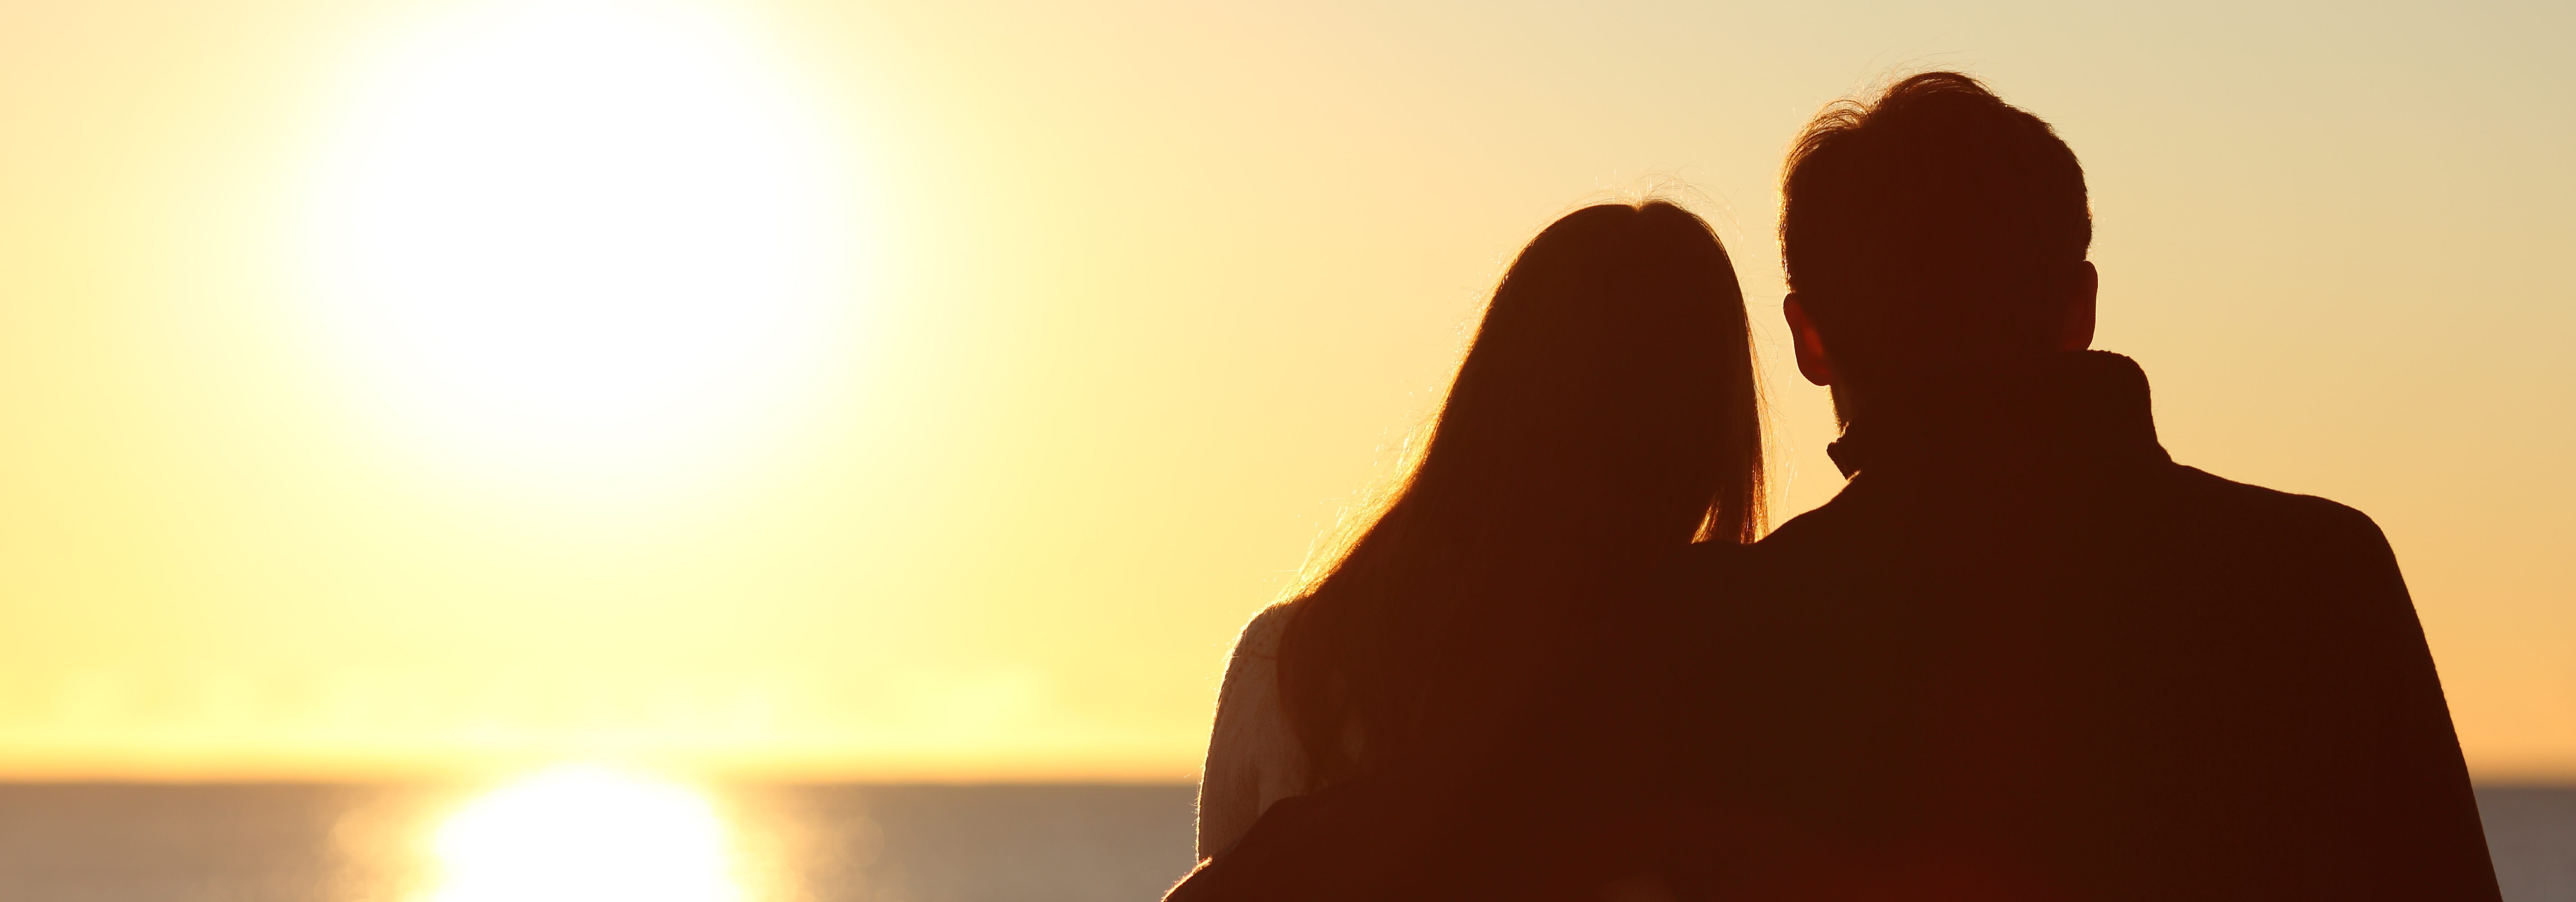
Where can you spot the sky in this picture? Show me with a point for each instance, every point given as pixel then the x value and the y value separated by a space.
pixel 930 391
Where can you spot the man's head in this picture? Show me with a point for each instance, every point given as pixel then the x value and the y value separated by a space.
pixel 1934 230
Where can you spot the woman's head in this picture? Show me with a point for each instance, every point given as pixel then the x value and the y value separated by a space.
pixel 1610 387
pixel 1605 413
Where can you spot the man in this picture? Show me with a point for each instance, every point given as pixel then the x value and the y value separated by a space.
pixel 2022 655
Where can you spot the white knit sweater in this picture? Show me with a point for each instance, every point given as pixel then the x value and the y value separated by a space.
pixel 1253 757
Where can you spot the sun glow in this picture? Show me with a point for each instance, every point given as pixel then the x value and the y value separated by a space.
pixel 580 832
pixel 586 242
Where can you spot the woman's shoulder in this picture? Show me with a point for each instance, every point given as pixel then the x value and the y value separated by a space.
pixel 1250 717
pixel 1253 755
pixel 1261 636
pixel 1252 670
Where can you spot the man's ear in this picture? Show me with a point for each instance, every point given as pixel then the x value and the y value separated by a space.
pixel 2082 291
pixel 1813 362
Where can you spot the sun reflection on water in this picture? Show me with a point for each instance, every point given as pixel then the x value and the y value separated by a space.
pixel 584 832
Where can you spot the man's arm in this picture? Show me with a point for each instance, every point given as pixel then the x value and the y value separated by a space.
pixel 2433 841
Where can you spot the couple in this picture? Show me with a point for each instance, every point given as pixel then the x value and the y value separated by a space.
pixel 2021 655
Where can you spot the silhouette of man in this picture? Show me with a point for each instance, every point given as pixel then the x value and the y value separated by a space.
pixel 2022 654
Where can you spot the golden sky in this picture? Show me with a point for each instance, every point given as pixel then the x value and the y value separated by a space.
pixel 930 390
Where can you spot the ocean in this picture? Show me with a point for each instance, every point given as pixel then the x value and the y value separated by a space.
pixel 831 843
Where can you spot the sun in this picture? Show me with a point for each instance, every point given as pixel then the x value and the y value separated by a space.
pixel 586 832
pixel 585 242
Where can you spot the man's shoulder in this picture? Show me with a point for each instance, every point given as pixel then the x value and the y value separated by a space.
pixel 1704 575
pixel 1708 558
pixel 2255 510
pixel 1729 594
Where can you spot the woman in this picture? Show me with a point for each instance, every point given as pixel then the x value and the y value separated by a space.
pixel 1605 416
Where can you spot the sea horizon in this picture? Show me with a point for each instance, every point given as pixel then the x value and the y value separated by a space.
pixel 325 841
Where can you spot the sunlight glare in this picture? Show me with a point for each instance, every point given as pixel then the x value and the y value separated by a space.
pixel 583 832
pixel 581 240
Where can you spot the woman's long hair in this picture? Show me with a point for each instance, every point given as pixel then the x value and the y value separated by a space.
pixel 1607 414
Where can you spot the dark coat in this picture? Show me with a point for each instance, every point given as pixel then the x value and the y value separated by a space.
pixel 2023 655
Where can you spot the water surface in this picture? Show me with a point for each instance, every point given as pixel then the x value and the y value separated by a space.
pixel 827 843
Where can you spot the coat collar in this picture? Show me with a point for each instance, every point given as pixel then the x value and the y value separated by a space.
pixel 2076 408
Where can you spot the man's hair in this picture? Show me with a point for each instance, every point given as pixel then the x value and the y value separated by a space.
pixel 1932 224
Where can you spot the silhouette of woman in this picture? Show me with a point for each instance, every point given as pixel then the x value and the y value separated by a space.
pixel 1605 416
